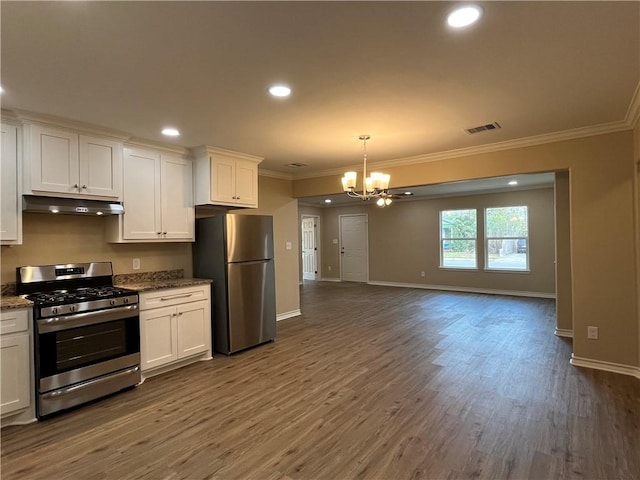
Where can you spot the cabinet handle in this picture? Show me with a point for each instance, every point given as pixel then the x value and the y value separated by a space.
pixel 76 185
pixel 180 314
pixel 173 314
pixel 84 187
pixel 164 233
pixel 177 295
pixel 159 233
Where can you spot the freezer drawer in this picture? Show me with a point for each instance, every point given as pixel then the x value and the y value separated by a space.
pixel 251 304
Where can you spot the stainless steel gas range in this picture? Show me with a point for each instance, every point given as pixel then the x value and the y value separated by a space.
pixel 87 333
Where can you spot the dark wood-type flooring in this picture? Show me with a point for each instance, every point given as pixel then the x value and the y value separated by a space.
pixel 371 382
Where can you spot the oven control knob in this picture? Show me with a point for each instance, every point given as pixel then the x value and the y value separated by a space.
pixel 54 310
pixel 112 302
pixel 125 300
pixel 72 308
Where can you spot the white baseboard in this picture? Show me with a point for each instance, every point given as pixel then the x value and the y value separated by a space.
pixel 563 332
pixel 292 313
pixel 330 279
pixel 606 366
pixel 514 293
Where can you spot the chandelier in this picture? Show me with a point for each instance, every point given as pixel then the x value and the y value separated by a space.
pixel 374 186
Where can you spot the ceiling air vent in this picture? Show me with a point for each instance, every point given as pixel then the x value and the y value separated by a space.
pixel 296 165
pixel 483 128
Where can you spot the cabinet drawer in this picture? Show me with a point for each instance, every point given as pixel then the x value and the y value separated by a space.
pixel 173 296
pixel 14 321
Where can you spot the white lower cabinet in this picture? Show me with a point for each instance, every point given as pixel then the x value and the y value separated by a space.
pixel 16 368
pixel 175 326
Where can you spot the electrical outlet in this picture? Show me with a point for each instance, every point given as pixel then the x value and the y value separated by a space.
pixel 136 264
pixel 592 333
pixel 422 274
pixel 335 241
pixel 329 267
pixel 288 246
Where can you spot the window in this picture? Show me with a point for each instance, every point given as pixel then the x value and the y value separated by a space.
pixel 507 238
pixel 458 238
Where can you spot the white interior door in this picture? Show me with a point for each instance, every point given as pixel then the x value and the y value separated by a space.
pixel 354 251
pixel 309 249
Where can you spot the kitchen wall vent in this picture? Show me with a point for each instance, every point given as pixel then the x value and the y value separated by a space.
pixel 296 165
pixel 483 128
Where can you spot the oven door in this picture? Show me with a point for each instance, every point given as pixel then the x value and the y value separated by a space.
pixel 82 355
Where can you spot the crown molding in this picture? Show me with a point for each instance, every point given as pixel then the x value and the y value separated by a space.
pixel 143 143
pixel 209 150
pixel 582 132
pixel 270 173
pixel 633 112
pixel 26 117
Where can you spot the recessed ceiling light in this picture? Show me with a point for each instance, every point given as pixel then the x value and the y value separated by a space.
pixel 463 17
pixel 513 182
pixel 280 91
pixel 328 200
pixel 408 193
pixel 170 132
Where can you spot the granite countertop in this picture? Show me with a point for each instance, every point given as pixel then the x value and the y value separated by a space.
pixel 141 282
pixel 147 281
pixel 145 286
pixel 11 302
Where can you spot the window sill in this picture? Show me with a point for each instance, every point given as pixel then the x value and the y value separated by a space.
pixel 506 270
pixel 459 269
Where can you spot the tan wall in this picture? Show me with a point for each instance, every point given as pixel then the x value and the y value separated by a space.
pixel 604 264
pixel 564 314
pixel 636 156
pixel 275 199
pixel 49 239
pixel 404 241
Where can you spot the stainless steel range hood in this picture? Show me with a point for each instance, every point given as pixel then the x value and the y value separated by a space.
pixel 70 206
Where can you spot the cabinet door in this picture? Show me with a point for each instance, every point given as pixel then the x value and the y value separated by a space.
pixel 176 185
pixel 246 183
pixel 193 328
pixel 15 382
pixel 100 167
pixel 10 224
pixel 158 337
pixel 142 206
pixel 223 180
pixel 54 161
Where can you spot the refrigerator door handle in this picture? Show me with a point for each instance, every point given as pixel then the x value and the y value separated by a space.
pixel 252 262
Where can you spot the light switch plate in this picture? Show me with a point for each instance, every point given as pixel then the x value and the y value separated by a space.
pixel 136 264
pixel 289 246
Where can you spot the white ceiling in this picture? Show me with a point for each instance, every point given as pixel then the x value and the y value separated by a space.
pixel 389 69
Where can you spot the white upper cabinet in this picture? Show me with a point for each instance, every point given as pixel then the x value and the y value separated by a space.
pixel 11 214
pixel 158 199
pixel 224 177
pixel 66 163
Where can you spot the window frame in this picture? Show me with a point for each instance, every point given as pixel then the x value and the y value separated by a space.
pixel 442 240
pixel 487 238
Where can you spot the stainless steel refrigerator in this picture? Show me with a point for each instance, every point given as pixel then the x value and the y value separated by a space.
pixel 236 252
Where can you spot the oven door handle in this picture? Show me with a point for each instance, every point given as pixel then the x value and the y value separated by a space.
pixel 90 383
pixel 54 324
